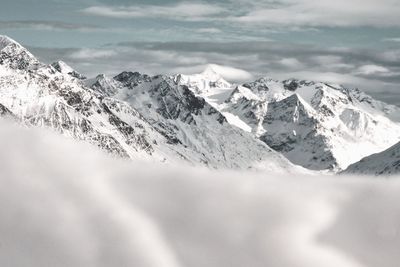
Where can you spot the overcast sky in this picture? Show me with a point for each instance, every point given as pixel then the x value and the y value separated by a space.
pixel 353 42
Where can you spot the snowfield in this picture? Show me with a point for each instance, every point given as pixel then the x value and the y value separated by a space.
pixel 63 203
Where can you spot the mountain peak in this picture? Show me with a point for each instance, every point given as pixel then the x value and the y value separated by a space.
pixel 132 78
pixel 61 66
pixel 64 68
pixel 5 41
pixel 210 72
pixel 15 55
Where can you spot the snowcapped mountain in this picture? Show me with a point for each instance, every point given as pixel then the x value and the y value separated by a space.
pixel 198 119
pixel 316 125
pixel 40 95
pixel 189 122
pixel 149 118
pixel 384 163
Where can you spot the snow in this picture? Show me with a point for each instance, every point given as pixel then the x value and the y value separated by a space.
pixel 5 41
pixel 384 163
pixel 199 131
pixel 68 205
pixel 62 67
pixel 336 120
pixel 236 121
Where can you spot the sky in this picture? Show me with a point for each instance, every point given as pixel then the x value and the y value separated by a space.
pixel 350 42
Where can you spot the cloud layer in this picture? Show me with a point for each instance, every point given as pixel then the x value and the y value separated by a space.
pixel 65 204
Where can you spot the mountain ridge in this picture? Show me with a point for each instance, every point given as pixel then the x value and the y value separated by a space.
pixel 201 118
pixel 173 125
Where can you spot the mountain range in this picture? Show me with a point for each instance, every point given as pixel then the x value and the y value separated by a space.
pixel 202 119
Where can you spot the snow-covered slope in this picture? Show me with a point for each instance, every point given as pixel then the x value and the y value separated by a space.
pixel 189 122
pixel 41 95
pixel 384 163
pixel 316 125
pixel 161 121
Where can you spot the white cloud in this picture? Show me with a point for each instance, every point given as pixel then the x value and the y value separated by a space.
pixel 65 204
pixel 209 30
pixel 48 26
pixel 342 13
pixel 371 70
pixel 396 40
pixel 291 63
pixel 92 53
pixel 329 77
pixel 179 11
pixel 230 73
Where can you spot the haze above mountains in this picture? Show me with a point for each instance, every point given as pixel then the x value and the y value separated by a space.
pixel 292 126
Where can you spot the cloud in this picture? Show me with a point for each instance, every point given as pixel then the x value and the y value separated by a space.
pixel 46 25
pixel 292 63
pixel 178 11
pixel 89 53
pixel 230 73
pixel 280 13
pixel 209 30
pixel 372 69
pixel 324 13
pixel 396 40
pixel 66 204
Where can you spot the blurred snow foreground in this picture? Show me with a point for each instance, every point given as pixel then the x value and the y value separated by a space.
pixel 65 204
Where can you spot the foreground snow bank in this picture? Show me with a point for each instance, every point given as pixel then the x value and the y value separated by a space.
pixel 64 204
